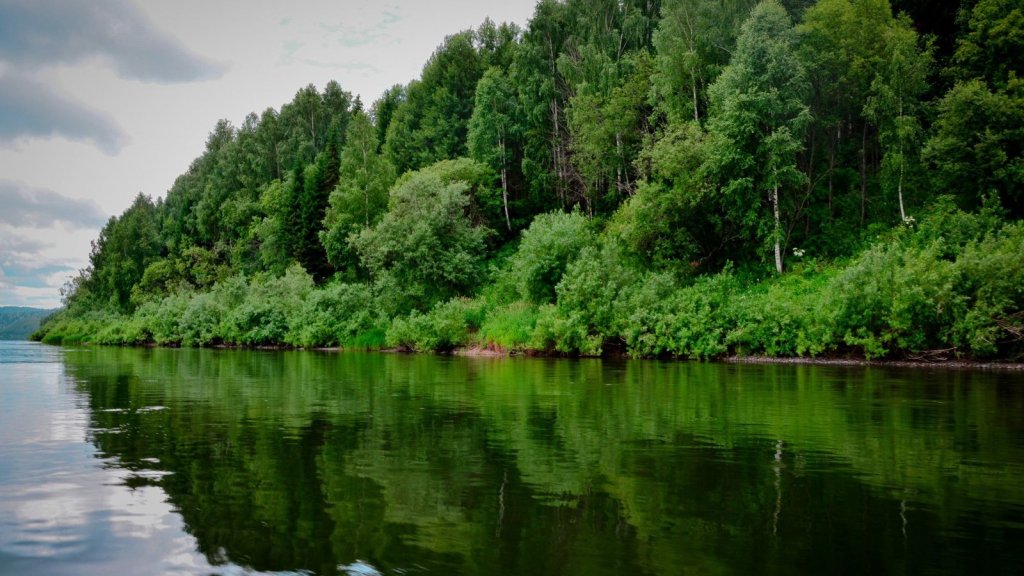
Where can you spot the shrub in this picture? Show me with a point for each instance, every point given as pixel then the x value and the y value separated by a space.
pixel 689 321
pixel 445 327
pixel 334 315
pixel 784 316
pixel 547 248
pixel 510 326
pixel 587 316
pixel 269 308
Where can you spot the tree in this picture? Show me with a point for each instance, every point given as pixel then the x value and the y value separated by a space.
pixel 361 195
pixel 843 51
pixel 547 248
pixel 993 47
pixel 271 230
pixel 383 111
pixel 607 125
pixel 425 249
pixel 307 206
pixel 431 123
pixel 977 142
pixel 976 145
pixel 896 105
pixel 758 116
pixel 127 245
pixel 493 128
pixel 693 43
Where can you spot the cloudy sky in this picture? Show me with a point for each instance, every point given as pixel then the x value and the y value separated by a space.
pixel 103 99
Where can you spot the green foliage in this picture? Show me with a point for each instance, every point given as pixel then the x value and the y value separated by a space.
pixel 307 207
pixel 603 120
pixel 431 123
pixel 662 318
pixel 992 49
pixel 425 249
pixel 547 248
pixel 448 325
pixel 693 42
pixel 952 287
pixel 265 316
pixel 335 315
pixel 509 326
pixel 788 316
pixel 587 317
pixel 361 195
pixel 664 222
pixel 758 113
pixel 126 247
pixel 493 131
pixel 977 144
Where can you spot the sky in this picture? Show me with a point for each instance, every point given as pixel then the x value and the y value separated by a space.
pixel 103 99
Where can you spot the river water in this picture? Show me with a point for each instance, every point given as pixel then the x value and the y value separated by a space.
pixel 137 461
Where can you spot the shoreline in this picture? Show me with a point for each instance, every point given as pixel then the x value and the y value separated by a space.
pixel 497 352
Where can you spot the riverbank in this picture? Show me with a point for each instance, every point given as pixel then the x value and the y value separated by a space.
pixel 914 295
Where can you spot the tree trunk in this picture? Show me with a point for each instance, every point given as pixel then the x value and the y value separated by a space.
pixel 504 183
pixel 618 163
pixel 863 174
pixel 778 229
pixel 693 83
pixel 899 185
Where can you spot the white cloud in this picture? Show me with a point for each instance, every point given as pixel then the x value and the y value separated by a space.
pixel 30 109
pixel 40 33
pixel 40 208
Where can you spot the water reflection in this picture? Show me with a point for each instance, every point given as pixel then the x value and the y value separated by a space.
pixel 364 464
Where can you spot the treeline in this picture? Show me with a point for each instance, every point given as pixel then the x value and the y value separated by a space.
pixel 684 177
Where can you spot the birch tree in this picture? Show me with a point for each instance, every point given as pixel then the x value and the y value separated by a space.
pixel 758 117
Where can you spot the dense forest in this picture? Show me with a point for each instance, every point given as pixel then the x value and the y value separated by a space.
pixel 689 178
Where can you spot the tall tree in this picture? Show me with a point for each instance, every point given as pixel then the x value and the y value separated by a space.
pixel 361 196
pixel 693 42
pixel 992 48
pixel 896 104
pixel 758 117
pixel 126 246
pixel 309 204
pixel 431 123
pixel 493 128
pixel 977 142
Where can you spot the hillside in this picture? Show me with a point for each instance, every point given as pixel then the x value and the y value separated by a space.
pixel 680 178
pixel 18 323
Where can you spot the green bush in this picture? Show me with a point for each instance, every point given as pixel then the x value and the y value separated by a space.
pixel 547 248
pixel 425 249
pixel 588 315
pixel 333 315
pixel 447 326
pixel 784 316
pixel 509 326
pixel 689 322
pixel 269 309
pixel 992 282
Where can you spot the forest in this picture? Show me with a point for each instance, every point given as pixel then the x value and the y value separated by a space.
pixel 654 178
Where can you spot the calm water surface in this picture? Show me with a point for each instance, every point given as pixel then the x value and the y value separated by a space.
pixel 126 461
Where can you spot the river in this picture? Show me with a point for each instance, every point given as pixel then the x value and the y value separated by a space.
pixel 163 461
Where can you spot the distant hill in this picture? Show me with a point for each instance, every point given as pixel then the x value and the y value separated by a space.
pixel 17 323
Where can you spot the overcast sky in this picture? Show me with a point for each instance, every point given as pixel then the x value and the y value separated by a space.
pixel 103 99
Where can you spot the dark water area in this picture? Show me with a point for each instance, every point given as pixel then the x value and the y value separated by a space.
pixel 137 461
